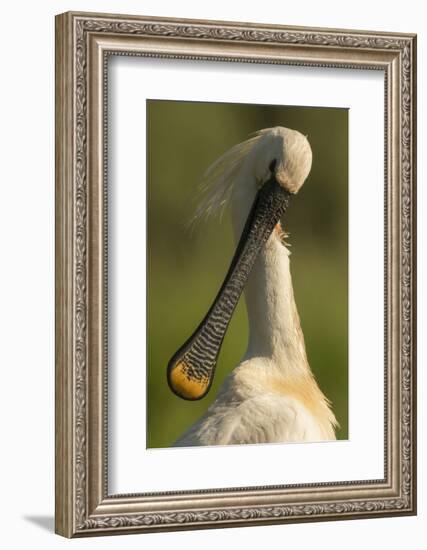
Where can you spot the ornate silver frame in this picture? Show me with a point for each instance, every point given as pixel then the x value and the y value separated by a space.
pixel 83 42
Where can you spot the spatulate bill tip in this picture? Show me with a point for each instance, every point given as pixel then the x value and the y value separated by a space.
pixel 187 384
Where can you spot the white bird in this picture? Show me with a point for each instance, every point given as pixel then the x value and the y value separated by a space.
pixel 272 395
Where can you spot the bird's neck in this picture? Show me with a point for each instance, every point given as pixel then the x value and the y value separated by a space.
pixel 274 324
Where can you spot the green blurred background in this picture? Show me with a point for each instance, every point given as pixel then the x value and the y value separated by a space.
pixel 186 268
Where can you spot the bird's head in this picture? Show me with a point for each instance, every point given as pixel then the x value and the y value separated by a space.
pixel 261 174
pixel 281 153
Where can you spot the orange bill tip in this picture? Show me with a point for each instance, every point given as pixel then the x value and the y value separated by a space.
pixel 186 385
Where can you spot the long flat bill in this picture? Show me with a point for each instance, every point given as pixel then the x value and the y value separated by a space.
pixel 190 371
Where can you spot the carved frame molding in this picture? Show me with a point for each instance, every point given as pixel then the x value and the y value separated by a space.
pixel 83 43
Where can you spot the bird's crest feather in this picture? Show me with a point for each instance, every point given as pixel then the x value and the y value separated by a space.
pixel 217 182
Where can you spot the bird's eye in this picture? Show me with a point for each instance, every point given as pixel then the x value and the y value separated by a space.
pixel 272 165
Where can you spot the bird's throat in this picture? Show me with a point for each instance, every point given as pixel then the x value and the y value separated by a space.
pixel 274 325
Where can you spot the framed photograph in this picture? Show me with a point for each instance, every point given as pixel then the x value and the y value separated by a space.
pixel 235 274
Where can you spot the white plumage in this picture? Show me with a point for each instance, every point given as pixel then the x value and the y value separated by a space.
pixel 272 395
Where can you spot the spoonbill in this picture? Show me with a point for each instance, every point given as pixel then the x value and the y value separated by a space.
pixel 272 394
